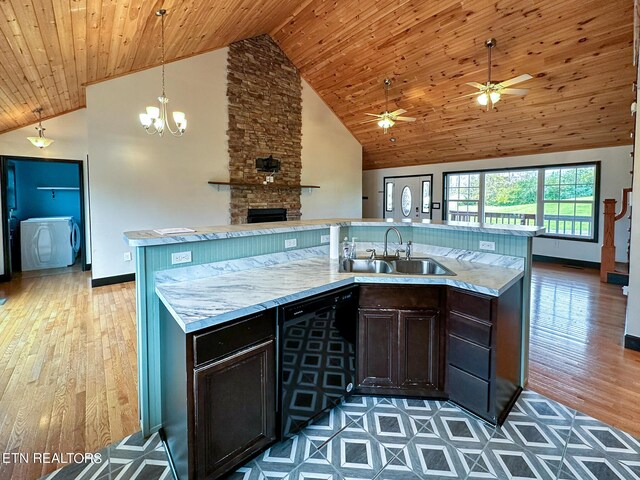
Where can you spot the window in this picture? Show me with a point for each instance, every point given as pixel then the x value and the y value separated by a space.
pixel 389 200
pixel 562 198
pixel 510 197
pixel 405 200
pixel 426 196
pixel 463 197
pixel 569 201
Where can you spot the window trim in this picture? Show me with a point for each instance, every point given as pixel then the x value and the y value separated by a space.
pixel 596 195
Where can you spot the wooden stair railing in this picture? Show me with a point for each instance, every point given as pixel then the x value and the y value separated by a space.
pixel 608 250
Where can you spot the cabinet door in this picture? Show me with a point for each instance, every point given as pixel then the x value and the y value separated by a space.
pixel 235 409
pixel 377 348
pixel 419 351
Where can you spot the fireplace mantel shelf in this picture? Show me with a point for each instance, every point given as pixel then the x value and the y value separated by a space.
pixel 255 184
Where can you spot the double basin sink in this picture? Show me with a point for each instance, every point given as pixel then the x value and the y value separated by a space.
pixel 413 266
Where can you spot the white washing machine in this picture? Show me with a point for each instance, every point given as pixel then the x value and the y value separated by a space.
pixel 50 242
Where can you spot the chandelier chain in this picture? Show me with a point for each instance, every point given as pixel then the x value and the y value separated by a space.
pixel 162 13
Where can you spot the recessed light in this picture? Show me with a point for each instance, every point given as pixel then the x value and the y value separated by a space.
pixel 392 139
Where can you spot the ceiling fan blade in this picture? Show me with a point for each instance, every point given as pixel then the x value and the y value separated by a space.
pixel 475 94
pixel 515 91
pixel 374 115
pixel 368 121
pixel 475 84
pixel 406 119
pixel 400 111
pixel 518 79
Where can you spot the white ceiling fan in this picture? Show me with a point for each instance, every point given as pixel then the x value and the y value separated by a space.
pixel 491 92
pixel 387 119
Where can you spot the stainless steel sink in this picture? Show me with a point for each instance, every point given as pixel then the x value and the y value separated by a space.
pixel 365 265
pixel 422 266
pixel 425 266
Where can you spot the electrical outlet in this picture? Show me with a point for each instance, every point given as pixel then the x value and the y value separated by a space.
pixel 180 257
pixel 325 238
pixel 488 246
pixel 127 256
pixel 290 243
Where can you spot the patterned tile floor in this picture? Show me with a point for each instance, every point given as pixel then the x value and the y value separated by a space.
pixel 404 439
pixel 133 457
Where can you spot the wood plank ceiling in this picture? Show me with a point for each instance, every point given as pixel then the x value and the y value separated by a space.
pixel 579 53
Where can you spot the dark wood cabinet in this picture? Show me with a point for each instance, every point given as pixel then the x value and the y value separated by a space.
pixel 234 409
pixel 400 349
pixel 419 353
pixel 484 351
pixel 219 393
pixel 429 341
pixel 376 348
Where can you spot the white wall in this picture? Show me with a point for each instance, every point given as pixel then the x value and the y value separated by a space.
pixel 141 181
pixel 332 159
pixel 69 133
pixel 616 164
pixel 633 301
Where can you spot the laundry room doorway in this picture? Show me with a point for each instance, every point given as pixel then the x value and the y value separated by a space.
pixel 43 216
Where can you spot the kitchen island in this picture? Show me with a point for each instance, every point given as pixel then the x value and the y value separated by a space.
pixel 188 294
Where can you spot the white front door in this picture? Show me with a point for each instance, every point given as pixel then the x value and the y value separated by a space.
pixel 408 197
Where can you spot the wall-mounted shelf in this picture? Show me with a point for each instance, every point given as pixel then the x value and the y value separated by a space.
pixel 54 189
pixel 256 184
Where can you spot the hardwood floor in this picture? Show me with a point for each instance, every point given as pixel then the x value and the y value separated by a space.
pixel 68 359
pixel 577 355
pixel 67 367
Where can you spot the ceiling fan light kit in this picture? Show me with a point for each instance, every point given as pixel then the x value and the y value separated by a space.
pixel 388 119
pixel 491 92
pixel 40 141
pixel 155 119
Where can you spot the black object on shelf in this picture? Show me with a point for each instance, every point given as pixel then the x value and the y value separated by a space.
pixel 268 164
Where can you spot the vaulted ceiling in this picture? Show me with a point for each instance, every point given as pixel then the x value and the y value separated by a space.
pixel 579 53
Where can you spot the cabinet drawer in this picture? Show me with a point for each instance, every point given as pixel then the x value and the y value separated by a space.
pixel 470 329
pixel 473 305
pixel 467 390
pixel 469 356
pixel 405 297
pixel 226 340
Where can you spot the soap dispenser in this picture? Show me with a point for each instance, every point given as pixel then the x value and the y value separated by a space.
pixel 346 248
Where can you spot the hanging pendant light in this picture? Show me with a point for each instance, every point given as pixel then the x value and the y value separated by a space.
pixel 40 141
pixel 155 119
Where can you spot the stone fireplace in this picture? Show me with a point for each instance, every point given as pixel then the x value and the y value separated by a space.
pixel 265 118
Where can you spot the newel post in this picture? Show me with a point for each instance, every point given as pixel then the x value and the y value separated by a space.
pixel 608 250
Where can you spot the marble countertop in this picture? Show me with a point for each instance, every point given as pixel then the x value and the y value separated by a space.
pixel 144 238
pixel 208 301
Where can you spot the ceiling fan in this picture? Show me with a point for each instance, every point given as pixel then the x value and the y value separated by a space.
pixel 491 92
pixel 387 119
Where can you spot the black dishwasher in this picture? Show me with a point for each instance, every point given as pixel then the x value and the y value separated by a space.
pixel 317 356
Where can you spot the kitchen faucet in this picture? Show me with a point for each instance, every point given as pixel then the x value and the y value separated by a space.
pixel 386 241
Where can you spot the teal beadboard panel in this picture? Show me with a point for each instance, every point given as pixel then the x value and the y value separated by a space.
pixel 157 258
pixel 505 244
pixel 375 234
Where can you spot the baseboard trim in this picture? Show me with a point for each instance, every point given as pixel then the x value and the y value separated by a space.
pixel 632 342
pixel 566 261
pixel 102 282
